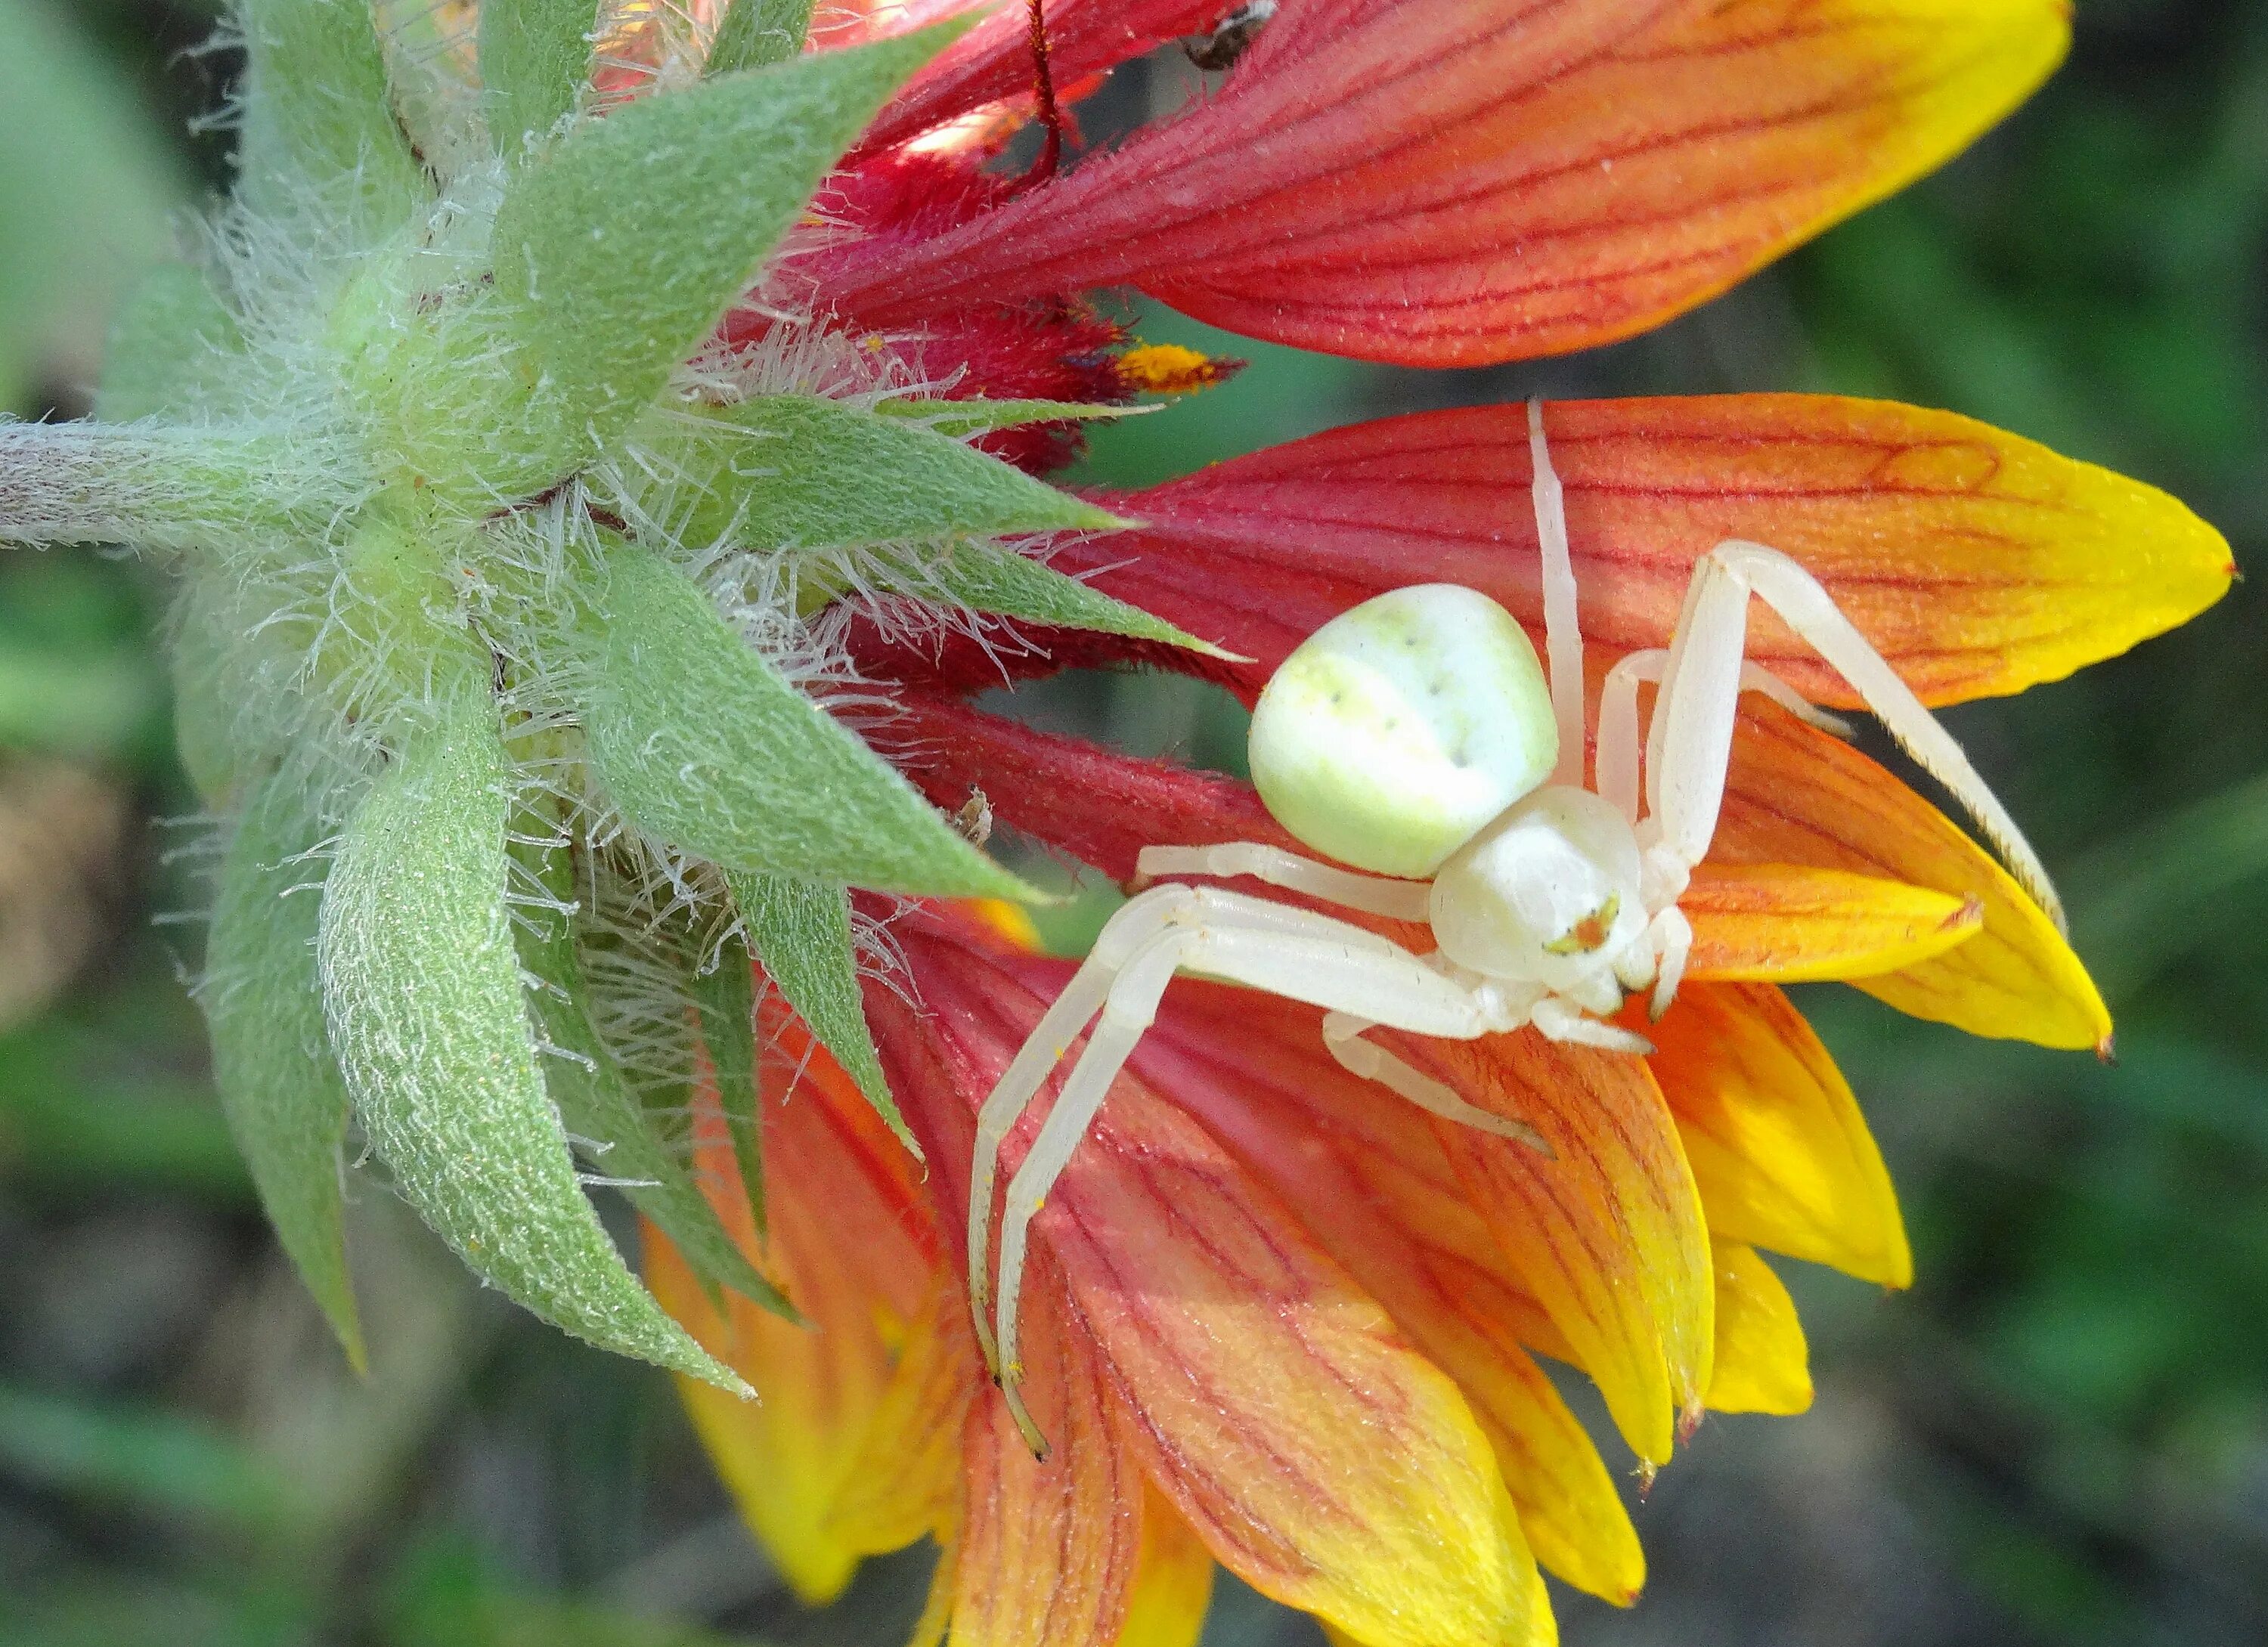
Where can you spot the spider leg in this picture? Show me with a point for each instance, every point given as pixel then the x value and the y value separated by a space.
pixel 1288 952
pixel 1617 760
pixel 1691 741
pixel 1135 925
pixel 1132 1007
pixel 1563 633
pixel 1561 1022
pixel 1343 1040
pixel 1374 895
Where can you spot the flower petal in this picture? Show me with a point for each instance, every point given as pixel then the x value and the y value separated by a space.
pixel 906 1479
pixel 1048 1550
pixel 786 1455
pixel 994 61
pixel 1173 1586
pixel 1608 1232
pixel 1763 1365
pixel 1977 561
pixel 1365 1173
pixel 1783 1156
pixel 1269 1399
pixel 1795 795
pixel 1453 182
pixel 1100 805
pixel 1790 925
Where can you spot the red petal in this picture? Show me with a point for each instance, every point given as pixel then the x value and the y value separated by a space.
pixel 994 59
pixel 1977 561
pixel 1100 806
pixel 1048 1551
pixel 1269 1398
pixel 1450 182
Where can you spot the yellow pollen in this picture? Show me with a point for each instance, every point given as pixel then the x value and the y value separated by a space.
pixel 1169 369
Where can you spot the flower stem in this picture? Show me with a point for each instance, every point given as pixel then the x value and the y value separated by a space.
pixel 155 487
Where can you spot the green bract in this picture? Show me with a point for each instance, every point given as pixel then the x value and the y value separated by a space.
pixel 495 645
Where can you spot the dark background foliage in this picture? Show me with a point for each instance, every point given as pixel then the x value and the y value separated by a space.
pixel 2061 1433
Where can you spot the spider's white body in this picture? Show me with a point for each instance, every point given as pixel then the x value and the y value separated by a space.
pixel 1414 736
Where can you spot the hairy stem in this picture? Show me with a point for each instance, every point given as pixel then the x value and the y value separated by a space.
pixel 160 488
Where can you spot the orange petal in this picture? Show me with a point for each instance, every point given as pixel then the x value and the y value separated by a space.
pixel 1048 1550
pixel 1608 1233
pixel 1795 795
pixel 1977 561
pixel 1791 924
pixel 1172 1585
pixel 1783 1156
pixel 1366 1174
pixel 1269 1397
pixel 1454 182
pixel 905 1481
pixel 785 1456
pixel 1762 1363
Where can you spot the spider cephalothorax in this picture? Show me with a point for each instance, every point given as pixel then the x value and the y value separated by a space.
pixel 1418 737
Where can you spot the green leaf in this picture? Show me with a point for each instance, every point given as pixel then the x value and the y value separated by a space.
pixel 316 111
pixel 988 578
pixel 758 32
pixel 963 418
pixel 595 1101
pixel 618 251
pixel 421 982
pixel 279 1086
pixel 705 744
pixel 727 998
pixel 794 471
pixel 535 57
pixel 802 934
pixel 170 349
pixel 204 710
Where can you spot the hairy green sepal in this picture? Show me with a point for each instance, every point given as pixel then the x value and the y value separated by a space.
pixel 318 131
pixel 801 933
pixel 705 744
pixel 595 1100
pixel 618 251
pixel 423 987
pixel 794 471
pixel 280 1087
pixel 727 998
pixel 964 418
pixel 758 32
pixel 172 348
pixel 536 55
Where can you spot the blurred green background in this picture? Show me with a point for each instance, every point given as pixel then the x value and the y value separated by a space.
pixel 2061 1434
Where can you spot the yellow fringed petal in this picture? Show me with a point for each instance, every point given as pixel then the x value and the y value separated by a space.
pixel 1762 1365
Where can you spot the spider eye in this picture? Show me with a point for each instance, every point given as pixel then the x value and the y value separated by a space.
pixel 1394 733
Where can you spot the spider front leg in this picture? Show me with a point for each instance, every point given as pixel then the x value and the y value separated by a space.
pixel 1285 950
pixel 1689 743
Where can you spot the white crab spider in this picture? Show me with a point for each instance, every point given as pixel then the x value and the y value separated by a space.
pixel 1415 736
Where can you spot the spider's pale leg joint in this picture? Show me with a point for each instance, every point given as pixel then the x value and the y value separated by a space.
pixel 1374 895
pixel 1616 763
pixel 1342 1037
pixel 1669 935
pixel 1136 924
pixel 1807 607
pixel 1558 1021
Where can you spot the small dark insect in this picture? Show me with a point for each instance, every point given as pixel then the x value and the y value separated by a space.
pixel 1231 37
